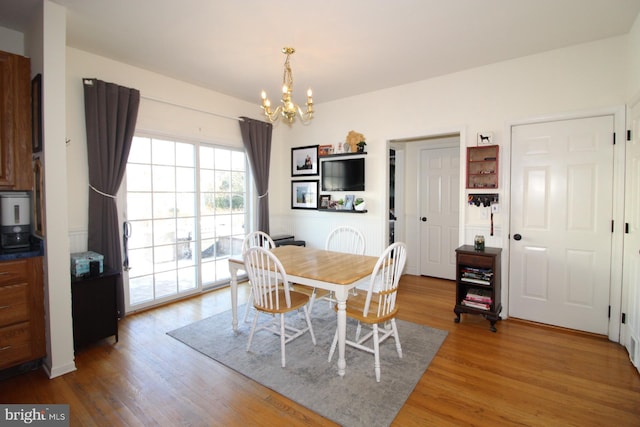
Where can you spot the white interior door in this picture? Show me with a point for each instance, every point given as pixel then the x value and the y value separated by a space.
pixel 631 266
pixel 439 197
pixel 561 216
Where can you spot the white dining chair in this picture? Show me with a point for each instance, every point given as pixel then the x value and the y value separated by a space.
pixel 273 295
pixel 377 308
pixel 345 239
pixel 254 239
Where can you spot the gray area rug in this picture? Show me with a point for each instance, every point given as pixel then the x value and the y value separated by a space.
pixel 308 379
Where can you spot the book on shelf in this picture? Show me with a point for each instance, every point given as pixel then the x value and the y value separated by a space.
pixel 476 276
pixel 478 305
pixel 477 270
pixel 476 281
pixel 471 274
pixel 479 295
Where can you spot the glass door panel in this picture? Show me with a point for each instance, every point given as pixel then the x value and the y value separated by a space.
pixel 186 206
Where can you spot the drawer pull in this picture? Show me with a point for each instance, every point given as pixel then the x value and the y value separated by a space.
pixel 4 306
pixel 4 273
pixel 5 348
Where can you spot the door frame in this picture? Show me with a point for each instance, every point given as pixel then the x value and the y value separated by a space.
pixel 407 216
pixel 615 296
pixel 630 335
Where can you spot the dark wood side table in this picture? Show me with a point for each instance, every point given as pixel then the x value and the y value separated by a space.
pixel 94 308
pixel 478 288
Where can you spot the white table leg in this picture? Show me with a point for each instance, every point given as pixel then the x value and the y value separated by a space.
pixel 233 269
pixel 341 297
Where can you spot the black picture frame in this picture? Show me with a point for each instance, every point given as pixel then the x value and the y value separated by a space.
pixel 304 194
pixel 325 201
pixel 36 114
pixel 304 161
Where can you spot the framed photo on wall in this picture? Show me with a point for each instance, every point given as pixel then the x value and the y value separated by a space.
pixel 304 161
pixel 485 138
pixel 304 194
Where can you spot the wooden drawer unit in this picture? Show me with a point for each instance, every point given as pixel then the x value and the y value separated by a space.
pixel 12 272
pixel 21 312
pixel 15 343
pixel 480 261
pixel 14 304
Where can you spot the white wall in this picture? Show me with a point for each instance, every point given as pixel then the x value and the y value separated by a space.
pixel 162 118
pixel 633 54
pixel 11 41
pixel 483 99
pixel 44 42
pixel 60 359
pixel 45 45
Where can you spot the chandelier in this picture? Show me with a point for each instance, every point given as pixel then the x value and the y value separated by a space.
pixel 288 109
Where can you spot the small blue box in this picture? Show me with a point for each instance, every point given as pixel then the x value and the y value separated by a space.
pixel 80 263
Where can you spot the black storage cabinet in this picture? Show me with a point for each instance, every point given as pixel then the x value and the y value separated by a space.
pixel 94 308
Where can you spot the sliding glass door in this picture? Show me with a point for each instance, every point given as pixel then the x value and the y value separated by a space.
pixel 185 213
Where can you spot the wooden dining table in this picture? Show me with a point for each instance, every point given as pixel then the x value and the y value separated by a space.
pixel 334 271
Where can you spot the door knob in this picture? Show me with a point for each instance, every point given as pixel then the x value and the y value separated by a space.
pixel 423 219
pixel 517 237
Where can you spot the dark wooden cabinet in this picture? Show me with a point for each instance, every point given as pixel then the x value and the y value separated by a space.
pixel 22 336
pixel 482 167
pixel 15 129
pixel 478 283
pixel 94 308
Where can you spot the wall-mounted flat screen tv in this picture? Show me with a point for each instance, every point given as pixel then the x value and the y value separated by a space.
pixel 343 174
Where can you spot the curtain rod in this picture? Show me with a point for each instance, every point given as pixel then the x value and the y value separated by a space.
pixel 191 108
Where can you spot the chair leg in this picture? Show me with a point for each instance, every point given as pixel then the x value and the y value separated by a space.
pixel 312 299
pixel 376 352
pixel 333 346
pixel 253 329
pixel 358 330
pixel 248 306
pixel 396 337
pixel 331 298
pixel 306 315
pixel 282 338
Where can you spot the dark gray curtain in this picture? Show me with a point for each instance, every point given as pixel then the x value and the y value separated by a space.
pixel 256 137
pixel 111 112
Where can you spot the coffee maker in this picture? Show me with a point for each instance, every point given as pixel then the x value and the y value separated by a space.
pixel 15 223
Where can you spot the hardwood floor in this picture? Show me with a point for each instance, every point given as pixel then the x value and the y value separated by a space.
pixel 525 375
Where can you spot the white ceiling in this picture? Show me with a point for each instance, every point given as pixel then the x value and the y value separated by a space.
pixel 343 47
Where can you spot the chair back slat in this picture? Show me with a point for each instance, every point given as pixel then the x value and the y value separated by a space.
pixel 266 274
pixel 259 239
pixel 383 286
pixel 346 239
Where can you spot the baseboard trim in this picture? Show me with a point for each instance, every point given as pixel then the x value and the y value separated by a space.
pixel 59 370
